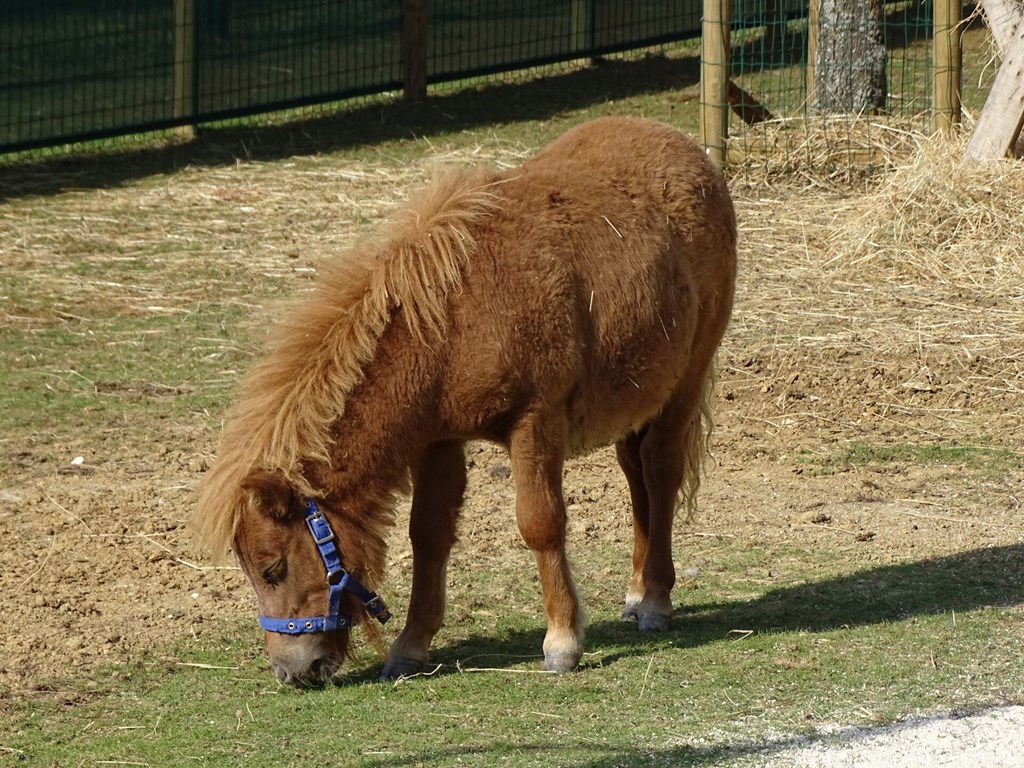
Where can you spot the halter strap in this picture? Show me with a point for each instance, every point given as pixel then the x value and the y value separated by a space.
pixel 338 581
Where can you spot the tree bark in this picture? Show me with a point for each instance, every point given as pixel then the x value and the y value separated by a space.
pixel 850 59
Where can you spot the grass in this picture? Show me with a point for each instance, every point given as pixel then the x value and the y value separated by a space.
pixel 987 461
pixel 98 358
pixel 746 662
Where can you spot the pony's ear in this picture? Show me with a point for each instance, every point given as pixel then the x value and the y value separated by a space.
pixel 268 494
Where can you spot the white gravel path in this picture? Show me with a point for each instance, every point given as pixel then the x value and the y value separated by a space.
pixel 989 739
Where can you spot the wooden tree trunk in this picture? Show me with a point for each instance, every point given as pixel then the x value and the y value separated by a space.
pixel 1000 122
pixel 850 58
pixel 999 127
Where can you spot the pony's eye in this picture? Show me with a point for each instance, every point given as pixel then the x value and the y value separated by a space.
pixel 275 572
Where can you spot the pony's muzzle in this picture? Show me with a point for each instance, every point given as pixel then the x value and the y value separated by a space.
pixel 308 661
pixel 317 673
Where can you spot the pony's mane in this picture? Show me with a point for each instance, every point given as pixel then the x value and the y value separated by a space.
pixel 291 399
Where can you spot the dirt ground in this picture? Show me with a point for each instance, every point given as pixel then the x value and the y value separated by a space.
pixel 96 565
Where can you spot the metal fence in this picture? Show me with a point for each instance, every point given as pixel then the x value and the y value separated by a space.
pixel 73 70
pixel 768 89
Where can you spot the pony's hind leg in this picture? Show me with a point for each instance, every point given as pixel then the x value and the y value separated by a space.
pixel 656 460
pixel 627 451
pixel 439 483
pixel 537 453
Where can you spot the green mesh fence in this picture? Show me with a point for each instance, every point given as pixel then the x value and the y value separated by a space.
pixel 73 70
pixel 779 122
pixel 266 54
pixel 70 68
pixel 81 69
pixel 470 38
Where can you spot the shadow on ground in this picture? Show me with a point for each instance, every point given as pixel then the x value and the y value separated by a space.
pixel 366 125
pixel 966 581
pixel 899 742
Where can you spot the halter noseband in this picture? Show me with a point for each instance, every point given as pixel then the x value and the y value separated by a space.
pixel 338 580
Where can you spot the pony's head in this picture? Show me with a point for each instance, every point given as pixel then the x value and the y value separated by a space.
pixel 263 496
pixel 307 584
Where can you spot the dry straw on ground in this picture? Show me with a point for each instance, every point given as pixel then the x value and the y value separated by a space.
pixel 937 218
pixel 821 150
pixel 907 293
pixel 860 309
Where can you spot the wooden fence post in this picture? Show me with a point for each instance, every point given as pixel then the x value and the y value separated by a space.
pixel 947 66
pixel 184 65
pixel 414 49
pixel 714 80
pixel 813 28
pixel 581 23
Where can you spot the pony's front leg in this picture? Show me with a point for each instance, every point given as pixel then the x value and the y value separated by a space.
pixel 438 487
pixel 537 452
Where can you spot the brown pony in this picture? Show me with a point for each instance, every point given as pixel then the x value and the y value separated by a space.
pixel 572 302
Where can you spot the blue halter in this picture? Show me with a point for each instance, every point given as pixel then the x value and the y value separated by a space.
pixel 338 580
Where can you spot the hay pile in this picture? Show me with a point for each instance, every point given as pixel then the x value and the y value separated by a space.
pixel 937 218
pixel 822 150
pixel 889 313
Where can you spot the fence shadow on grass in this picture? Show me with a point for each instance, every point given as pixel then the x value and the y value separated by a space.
pixel 367 124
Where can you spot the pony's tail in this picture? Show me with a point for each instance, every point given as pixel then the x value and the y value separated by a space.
pixel 697 443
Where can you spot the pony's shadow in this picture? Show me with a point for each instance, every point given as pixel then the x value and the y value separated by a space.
pixel 987 577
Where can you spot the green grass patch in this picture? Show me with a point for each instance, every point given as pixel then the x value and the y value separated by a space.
pixel 988 461
pixel 811 641
pixel 73 373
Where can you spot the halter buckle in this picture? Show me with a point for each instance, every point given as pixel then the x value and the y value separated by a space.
pixel 376 608
pixel 316 522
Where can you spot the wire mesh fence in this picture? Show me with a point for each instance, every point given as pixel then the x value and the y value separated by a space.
pixel 68 68
pixel 81 69
pixel 72 70
pixel 785 117
pixel 469 39
pixel 264 55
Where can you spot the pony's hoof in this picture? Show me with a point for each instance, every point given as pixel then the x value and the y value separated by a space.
pixel 561 662
pixel 397 668
pixel 629 613
pixel 652 622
